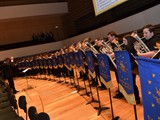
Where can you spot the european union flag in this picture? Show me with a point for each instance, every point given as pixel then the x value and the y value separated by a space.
pixel 54 61
pixel 33 64
pixel 49 61
pixel 60 61
pixel 68 62
pixel 45 63
pixel 65 62
pixel 90 62
pixel 81 60
pixel 104 70
pixel 125 77
pixel 76 60
pixel 37 64
pixel 71 58
pixel 40 63
pixel 149 71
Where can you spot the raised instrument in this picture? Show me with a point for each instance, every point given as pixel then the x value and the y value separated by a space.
pixel 157 54
pixel 118 46
pixel 107 47
pixel 139 45
pixel 92 48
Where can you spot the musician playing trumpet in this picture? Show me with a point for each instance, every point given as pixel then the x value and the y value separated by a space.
pixel 115 44
pixel 149 40
pixel 108 47
pixel 114 41
pixel 129 46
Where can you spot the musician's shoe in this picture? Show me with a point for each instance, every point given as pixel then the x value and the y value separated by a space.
pixel 117 91
pixel 84 79
pixel 102 88
pixel 138 101
pixel 15 91
pixel 118 95
pixel 94 84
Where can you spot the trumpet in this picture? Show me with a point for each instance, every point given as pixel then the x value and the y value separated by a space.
pixel 139 44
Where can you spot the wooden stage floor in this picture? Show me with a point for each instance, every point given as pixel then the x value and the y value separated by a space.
pixel 63 102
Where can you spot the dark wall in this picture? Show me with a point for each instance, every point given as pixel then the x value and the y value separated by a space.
pixel 81 17
pixel 22 2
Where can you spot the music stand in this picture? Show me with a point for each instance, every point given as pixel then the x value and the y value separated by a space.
pixel 28 86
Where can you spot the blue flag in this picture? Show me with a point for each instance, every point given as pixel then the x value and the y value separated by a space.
pixel 40 63
pixel 37 64
pixel 54 61
pixel 64 56
pixel 81 60
pixel 76 56
pixel 125 77
pixel 60 61
pixel 68 62
pixel 45 63
pixel 49 61
pixel 71 59
pixel 149 71
pixel 104 70
pixel 90 62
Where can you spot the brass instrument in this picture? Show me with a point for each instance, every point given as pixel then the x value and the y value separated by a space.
pixel 139 44
pixel 118 46
pixel 156 54
pixel 107 47
pixel 83 50
pixel 92 48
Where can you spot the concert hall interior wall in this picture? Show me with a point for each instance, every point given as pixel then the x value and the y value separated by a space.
pixel 71 26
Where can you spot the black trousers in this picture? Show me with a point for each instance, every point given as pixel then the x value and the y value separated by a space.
pixel 136 91
pixel 11 83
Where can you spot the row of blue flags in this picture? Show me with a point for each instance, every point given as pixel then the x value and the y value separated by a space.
pixel 148 72
pixel 149 78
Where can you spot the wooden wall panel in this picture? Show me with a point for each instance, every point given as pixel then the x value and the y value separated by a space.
pixel 22 2
pixel 80 19
pixel 22 29
pixel 77 9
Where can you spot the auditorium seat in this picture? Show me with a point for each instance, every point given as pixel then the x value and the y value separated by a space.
pixel 43 116
pixel 23 104
pixel 32 113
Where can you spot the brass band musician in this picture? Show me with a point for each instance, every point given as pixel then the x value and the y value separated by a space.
pixel 115 43
pixel 88 44
pixel 150 41
pixel 129 46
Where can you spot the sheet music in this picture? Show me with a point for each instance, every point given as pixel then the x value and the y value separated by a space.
pixel 24 71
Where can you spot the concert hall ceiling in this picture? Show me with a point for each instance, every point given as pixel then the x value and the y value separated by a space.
pixel 24 2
